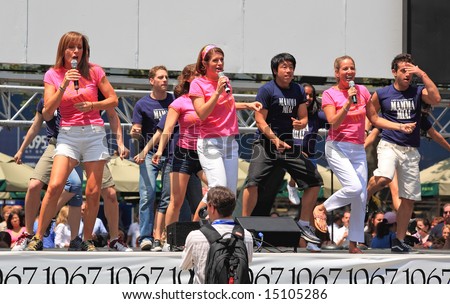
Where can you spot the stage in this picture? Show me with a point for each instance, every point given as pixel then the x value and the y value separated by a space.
pixel 327 267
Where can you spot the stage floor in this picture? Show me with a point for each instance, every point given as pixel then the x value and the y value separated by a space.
pixel 375 266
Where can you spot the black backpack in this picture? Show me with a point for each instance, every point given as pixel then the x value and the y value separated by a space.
pixel 227 261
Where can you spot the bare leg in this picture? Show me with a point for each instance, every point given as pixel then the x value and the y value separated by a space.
pixel 403 216
pixel 62 166
pixel 32 203
pixel 249 200
pixel 111 211
pixel 94 173
pixel 376 183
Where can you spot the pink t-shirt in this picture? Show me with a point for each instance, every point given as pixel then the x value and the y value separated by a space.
pixel 188 121
pixel 223 119
pixel 70 116
pixel 353 126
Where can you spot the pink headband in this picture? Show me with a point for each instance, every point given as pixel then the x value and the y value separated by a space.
pixel 206 49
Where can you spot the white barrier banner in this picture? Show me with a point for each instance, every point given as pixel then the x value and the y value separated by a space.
pixel 61 267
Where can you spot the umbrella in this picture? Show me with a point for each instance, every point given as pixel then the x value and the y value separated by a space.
pixel 326 177
pixel 13 177
pixel 435 180
pixel 125 174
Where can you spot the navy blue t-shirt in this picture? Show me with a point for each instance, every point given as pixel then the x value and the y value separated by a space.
pixel 282 105
pixel 308 136
pixel 52 129
pixel 173 139
pixel 148 112
pixel 401 107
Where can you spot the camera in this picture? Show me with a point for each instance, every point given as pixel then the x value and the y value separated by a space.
pixel 203 212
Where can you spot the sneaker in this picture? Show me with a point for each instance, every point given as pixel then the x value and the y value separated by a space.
pixel 118 245
pixel 22 242
pixel 293 195
pixel 401 247
pixel 308 234
pixel 35 244
pixel 146 244
pixel 313 247
pixel 156 246
pixel 75 244
pixel 88 245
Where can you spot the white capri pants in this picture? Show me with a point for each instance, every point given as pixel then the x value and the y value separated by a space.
pixel 349 163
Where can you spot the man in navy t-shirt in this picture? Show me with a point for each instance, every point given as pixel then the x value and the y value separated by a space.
pixel 147 113
pixel 397 151
pixel 284 108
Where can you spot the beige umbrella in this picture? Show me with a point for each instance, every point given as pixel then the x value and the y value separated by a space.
pixel 125 174
pixel 438 174
pixel 326 176
pixel 13 177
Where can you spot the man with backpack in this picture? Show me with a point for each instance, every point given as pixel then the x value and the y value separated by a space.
pixel 221 250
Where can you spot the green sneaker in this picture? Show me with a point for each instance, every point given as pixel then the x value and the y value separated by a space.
pixel 34 245
pixel 88 245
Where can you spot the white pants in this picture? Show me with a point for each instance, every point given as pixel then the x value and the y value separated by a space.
pixel 349 163
pixel 219 159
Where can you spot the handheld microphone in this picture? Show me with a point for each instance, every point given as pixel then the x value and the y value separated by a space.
pixel 227 88
pixel 351 83
pixel 74 64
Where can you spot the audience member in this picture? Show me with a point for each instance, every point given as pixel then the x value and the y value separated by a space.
pixel 6 209
pixel 15 225
pixel 133 233
pixel 5 240
pixel 423 233
pixel 62 229
pixel 436 232
pixel 370 230
pixel 385 231
pixel 220 204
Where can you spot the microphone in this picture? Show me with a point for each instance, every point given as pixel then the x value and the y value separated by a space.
pixel 227 88
pixel 74 64
pixel 351 83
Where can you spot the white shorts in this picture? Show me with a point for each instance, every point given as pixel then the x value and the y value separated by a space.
pixel 83 143
pixel 404 160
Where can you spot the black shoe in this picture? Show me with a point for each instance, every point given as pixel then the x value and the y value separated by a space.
pixel 156 246
pixel 35 245
pixel 401 247
pixel 75 244
pixel 308 234
pixel 88 245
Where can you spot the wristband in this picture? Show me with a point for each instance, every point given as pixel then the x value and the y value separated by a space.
pixel 92 106
pixel 61 88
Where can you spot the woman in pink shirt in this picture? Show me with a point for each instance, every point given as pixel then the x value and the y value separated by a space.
pixel 345 106
pixel 72 85
pixel 344 148
pixel 185 160
pixel 212 97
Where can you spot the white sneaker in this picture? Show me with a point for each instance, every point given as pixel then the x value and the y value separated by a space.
pixel 146 245
pixel 119 245
pixel 313 247
pixel 293 195
pixel 22 242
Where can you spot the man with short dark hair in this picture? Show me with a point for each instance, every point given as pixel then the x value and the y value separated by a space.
pixel 284 109
pixel 397 150
pixel 220 206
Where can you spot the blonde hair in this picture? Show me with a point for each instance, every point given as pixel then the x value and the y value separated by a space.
pixel 63 215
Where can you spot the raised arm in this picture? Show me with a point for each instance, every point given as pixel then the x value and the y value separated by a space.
pixel 31 134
